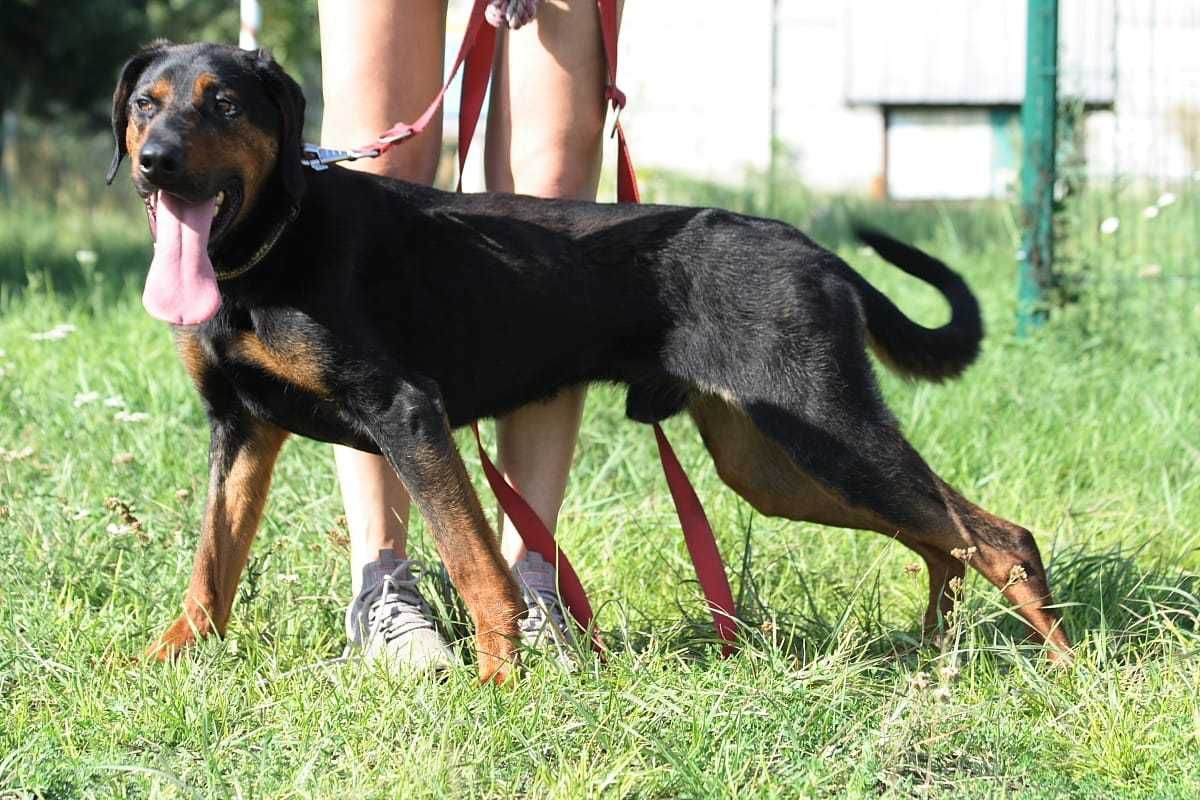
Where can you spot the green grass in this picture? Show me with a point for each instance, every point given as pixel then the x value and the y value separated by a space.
pixel 1087 433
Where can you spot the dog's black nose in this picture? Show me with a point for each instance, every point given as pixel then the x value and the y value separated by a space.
pixel 159 160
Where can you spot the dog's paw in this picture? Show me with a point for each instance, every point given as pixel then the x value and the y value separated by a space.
pixel 498 657
pixel 183 634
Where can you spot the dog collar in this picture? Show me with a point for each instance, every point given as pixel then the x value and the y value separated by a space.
pixel 261 252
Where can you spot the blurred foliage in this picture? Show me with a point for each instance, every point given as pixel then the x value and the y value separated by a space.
pixel 60 58
pixel 289 28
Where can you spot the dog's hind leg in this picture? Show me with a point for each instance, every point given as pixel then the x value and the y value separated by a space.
pixel 242 458
pixel 863 474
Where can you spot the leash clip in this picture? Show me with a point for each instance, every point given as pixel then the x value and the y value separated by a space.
pixel 617 98
pixel 399 135
pixel 319 158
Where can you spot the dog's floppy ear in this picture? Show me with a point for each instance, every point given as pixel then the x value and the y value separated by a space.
pixel 130 73
pixel 289 99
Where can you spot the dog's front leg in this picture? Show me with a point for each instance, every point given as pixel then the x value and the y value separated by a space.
pixel 412 431
pixel 242 456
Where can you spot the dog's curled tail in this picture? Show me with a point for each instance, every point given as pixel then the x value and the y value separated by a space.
pixel 913 350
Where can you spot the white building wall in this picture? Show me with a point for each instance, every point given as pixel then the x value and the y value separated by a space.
pixel 697 75
pixel 835 146
pixel 698 85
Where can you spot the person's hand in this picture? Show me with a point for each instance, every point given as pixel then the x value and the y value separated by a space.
pixel 510 13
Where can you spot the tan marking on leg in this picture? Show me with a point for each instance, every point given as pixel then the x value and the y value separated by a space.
pixel 942 569
pixel 760 470
pixel 1008 556
pixel 232 514
pixel 471 553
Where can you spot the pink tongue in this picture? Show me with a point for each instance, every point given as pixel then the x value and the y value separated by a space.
pixel 182 287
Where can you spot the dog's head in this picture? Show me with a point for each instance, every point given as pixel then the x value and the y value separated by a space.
pixel 212 133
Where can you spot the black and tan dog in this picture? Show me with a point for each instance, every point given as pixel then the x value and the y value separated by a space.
pixel 379 314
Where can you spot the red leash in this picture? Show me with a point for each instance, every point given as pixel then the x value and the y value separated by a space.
pixel 627 186
pixel 476 52
pixel 697 533
pixel 701 544
pixel 539 539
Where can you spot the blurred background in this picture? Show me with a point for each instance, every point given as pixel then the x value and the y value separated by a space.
pixel 807 110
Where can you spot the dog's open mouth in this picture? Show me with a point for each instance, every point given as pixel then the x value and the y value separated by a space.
pixel 228 202
pixel 181 287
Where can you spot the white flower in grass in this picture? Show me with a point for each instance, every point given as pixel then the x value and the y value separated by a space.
pixel 131 416
pixel 1110 225
pixel 86 258
pixel 1150 271
pixel 15 455
pixel 289 578
pixel 1166 199
pixel 118 530
pixel 81 513
pixel 1150 212
pixel 116 401
pixel 83 398
pixel 59 331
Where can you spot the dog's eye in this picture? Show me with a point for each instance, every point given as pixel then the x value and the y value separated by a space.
pixel 226 107
pixel 144 104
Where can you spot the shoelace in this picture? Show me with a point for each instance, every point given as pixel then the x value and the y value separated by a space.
pixel 394 608
pixel 542 598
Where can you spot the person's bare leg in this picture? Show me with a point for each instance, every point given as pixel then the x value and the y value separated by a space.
pixel 544 133
pixel 381 62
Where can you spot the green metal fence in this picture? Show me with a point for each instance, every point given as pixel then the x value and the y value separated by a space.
pixel 1111 180
pixel 1038 116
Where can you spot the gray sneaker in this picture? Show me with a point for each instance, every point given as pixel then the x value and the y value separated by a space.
pixel 389 619
pixel 545 627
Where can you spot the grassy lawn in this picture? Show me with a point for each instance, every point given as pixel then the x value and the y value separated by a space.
pixel 1088 433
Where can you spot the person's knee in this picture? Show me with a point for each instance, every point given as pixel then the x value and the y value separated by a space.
pixel 416 161
pixel 560 163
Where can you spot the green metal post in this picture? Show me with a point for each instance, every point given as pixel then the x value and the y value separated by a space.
pixel 1038 115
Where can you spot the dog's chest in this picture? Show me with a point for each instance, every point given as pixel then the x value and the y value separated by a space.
pixel 290 360
pixel 282 379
